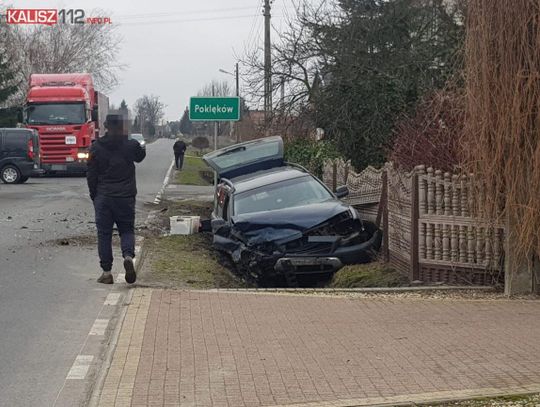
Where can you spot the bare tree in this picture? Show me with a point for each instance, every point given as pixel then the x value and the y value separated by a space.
pixel 216 88
pixel 297 61
pixel 63 48
pixel 149 110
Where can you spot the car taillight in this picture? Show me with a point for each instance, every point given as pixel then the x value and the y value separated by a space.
pixel 31 149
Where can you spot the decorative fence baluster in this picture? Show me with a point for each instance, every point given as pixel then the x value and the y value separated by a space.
pixel 488 241
pixel 429 241
pixel 447 196
pixel 480 239
pixel 430 192
pixel 422 188
pixel 463 244
pixel 464 190
pixel 438 241
pixel 422 240
pixel 455 243
pixel 455 196
pixel 470 244
pixel 446 243
pixel 438 192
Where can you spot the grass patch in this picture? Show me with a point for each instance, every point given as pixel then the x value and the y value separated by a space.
pixel 186 262
pixel 191 173
pixel 375 274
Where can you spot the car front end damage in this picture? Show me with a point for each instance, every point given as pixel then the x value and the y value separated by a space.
pixel 267 249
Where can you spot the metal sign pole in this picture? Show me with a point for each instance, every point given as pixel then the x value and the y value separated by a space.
pixel 215 147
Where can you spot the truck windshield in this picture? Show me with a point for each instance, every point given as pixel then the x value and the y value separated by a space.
pixel 56 113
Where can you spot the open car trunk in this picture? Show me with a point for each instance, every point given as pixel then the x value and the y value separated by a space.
pixel 246 158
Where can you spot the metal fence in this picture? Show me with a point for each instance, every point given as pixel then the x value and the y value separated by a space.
pixel 429 232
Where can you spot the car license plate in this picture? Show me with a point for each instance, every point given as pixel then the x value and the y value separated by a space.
pixel 71 140
pixel 58 167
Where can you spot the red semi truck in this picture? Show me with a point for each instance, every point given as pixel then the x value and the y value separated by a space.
pixel 68 114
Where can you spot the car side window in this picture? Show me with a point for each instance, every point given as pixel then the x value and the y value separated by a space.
pixel 14 141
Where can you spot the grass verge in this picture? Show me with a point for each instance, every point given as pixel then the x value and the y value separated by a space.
pixel 191 173
pixel 375 274
pixel 184 261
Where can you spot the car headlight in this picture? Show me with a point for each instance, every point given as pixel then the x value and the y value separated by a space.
pixel 82 156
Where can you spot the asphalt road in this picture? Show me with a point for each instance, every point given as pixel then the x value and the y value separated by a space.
pixel 48 295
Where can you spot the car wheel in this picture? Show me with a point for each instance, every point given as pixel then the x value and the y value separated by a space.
pixel 22 180
pixel 10 174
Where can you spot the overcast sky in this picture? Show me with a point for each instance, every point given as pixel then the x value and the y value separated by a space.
pixel 171 48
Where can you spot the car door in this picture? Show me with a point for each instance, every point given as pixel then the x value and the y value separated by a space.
pixel 2 152
pixel 248 157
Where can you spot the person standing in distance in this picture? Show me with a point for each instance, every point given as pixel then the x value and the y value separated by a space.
pixel 179 149
pixel 112 187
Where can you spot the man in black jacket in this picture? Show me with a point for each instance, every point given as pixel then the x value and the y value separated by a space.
pixel 179 149
pixel 112 186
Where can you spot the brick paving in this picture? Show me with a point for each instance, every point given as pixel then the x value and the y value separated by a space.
pixel 195 348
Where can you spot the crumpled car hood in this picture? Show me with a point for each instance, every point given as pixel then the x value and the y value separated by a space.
pixel 285 224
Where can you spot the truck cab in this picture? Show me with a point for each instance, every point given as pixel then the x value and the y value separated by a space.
pixel 65 110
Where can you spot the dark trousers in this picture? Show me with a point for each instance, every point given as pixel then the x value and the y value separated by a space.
pixel 109 211
pixel 179 160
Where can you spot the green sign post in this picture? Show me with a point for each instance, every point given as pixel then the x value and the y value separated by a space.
pixel 214 109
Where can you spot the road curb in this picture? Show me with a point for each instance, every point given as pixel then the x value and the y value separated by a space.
pixel 111 348
pixel 382 290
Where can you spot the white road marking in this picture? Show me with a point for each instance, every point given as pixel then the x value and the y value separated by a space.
pixel 112 299
pixel 165 182
pixel 80 367
pixel 99 327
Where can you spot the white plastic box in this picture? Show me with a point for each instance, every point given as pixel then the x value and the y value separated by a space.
pixel 184 225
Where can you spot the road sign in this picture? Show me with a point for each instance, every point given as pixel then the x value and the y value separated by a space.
pixel 214 109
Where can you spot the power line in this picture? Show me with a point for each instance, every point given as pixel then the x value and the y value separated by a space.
pixel 185 20
pixel 189 12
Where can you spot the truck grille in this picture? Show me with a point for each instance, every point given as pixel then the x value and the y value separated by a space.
pixel 54 148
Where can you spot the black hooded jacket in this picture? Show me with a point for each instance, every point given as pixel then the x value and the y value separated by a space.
pixel 111 167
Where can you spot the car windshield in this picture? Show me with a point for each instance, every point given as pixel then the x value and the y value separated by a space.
pixel 56 113
pixel 286 194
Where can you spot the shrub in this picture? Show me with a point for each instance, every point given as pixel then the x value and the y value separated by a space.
pixel 310 153
pixel 200 142
pixel 431 136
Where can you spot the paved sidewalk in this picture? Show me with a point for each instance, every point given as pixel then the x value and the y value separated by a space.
pixel 195 348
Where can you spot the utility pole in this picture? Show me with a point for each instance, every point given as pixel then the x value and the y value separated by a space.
pixel 237 80
pixel 233 124
pixel 267 65
pixel 215 123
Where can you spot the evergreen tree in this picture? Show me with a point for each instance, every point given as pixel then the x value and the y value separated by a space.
pixel 383 56
pixel 8 86
pixel 186 126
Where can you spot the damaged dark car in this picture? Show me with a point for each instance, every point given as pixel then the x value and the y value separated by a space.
pixel 276 220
